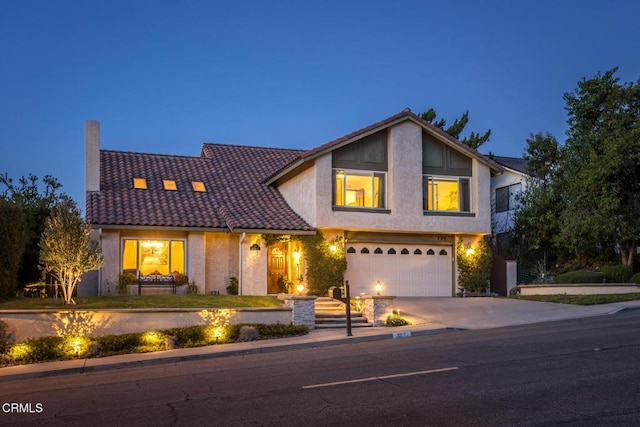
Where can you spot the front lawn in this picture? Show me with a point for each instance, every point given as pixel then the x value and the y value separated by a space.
pixel 581 299
pixel 144 301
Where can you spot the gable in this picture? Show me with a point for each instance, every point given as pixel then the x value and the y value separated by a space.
pixel 369 153
pixel 440 159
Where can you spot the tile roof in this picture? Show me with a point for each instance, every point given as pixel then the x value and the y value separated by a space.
pixel 516 163
pixel 235 198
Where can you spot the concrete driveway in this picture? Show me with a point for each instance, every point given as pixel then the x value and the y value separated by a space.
pixel 483 313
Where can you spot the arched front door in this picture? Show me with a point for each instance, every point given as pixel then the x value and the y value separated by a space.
pixel 277 268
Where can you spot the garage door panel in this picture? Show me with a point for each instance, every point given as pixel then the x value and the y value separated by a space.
pixel 427 273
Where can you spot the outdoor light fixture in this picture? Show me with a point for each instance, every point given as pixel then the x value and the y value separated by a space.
pixel 470 252
pixel 255 246
pixel 378 287
pixel 296 254
pixel 333 248
pixel 300 288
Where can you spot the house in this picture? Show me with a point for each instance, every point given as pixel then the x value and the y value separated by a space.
pixel 505 189
pixel 397 194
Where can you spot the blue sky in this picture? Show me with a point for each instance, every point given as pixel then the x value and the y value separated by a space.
pixel 165 77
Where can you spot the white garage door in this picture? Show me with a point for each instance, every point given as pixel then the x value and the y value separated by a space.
pixel 403 270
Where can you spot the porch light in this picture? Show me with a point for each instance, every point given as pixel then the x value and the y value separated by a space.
pixel 300 288
pixel 378 287
pixel 333 248
pixel 255 246
pixel 296 254
pixel 470 252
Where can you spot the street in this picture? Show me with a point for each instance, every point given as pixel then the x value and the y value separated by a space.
pixel 583 372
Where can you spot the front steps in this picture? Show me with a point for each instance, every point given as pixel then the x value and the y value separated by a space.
pixel 330 313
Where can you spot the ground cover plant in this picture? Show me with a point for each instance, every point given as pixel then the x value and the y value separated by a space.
pixel 581 299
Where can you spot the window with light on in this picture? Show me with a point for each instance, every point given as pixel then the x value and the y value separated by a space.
pixel 153 257
pixel 450 194
pixel 361 189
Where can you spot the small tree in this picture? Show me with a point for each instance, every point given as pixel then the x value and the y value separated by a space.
pixel 66 248
pixel 474 266
pixel 13 239
pixel 326 262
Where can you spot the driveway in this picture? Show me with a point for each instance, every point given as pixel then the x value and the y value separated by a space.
pixel 483 313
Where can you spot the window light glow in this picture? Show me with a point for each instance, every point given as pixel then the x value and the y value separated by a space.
pixel 169 184
pixel 140 183
pixel 198 186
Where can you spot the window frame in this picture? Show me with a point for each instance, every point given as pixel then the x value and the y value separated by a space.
pixel 461 194
pixel 138 246
pixel 512 193
pixel 372 174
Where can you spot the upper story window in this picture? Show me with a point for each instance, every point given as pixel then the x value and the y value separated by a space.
pixel 506 197
pixel 140 183
pixel 452 194
pixel 359 189
pixel 447 177
pixel 169 184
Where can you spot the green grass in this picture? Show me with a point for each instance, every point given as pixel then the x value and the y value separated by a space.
pixel 581 299
pixel 144 301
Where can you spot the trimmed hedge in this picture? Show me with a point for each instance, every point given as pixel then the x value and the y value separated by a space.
pixel 609 274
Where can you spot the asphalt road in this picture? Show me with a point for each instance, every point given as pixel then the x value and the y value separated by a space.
pixel 578 373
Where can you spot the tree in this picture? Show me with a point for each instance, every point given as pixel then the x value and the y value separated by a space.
pixel 13 239
pixel 537 222
pixel 36 203
pixel 474 140
pixel 66 248
pixel 474 266
pixel 601 167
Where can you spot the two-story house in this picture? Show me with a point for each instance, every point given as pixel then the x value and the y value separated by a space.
pixel 398 193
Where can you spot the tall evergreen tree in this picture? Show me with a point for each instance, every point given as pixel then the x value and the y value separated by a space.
pixel 474 140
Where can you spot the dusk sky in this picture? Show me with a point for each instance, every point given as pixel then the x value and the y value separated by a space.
pixel 164 77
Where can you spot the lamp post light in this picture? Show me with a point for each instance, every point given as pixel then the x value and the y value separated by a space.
pixel 378 287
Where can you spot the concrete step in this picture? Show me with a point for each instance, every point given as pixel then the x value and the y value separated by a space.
pixel 342 325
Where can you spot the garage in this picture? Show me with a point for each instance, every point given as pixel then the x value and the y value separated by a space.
pixel 403 269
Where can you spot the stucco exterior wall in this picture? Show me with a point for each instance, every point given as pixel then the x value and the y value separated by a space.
pixel 254 267
pixel 404 194
pixel 221 261
pixel 300 192
pixel 110 244
pixel 196 259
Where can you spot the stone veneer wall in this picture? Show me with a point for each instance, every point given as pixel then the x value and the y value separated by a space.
pixel 377 309
pixel 304 309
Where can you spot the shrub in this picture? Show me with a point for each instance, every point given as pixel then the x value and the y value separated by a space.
pixel 474 266
pixel 37 349
pixel 5 337
pixel 248 333
pixel 635 278
pixel 232 289
pixel 124 280
pixel 396 321
pixel 617 273
pixel 580 276
pixel 116 344
pixel 192 288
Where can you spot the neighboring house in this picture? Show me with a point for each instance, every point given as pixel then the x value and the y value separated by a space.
pixel 505 189
pixel 399 193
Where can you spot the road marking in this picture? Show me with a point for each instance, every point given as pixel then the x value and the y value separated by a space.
pixel 386 377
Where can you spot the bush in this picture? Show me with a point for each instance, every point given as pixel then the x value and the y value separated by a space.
pixel 474 266
pixel 232 289
pixel 116 344
pixel 5 337
pixel 617 273
pixel 396 321
pixel 248 333
pixel 192 288
pixel 580 276
pixel 124 280
pixel 635 278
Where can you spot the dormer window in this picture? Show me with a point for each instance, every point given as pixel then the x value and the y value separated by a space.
pixel 140 183
pixel 198 186
pixel 169 184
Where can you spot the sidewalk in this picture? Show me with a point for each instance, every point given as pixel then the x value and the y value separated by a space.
pixel 427 315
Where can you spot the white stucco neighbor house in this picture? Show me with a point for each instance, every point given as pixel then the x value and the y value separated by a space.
pixel 398 193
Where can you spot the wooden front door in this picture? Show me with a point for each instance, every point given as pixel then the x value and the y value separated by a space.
pixel 277 268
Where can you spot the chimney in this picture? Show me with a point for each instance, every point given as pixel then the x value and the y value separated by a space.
pixel 92 153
